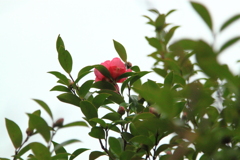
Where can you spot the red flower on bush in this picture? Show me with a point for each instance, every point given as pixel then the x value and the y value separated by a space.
pixel 116 68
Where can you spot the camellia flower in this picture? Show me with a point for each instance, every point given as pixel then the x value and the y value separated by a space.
pixel 116 68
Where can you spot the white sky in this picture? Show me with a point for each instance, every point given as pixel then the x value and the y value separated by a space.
pixel 28 34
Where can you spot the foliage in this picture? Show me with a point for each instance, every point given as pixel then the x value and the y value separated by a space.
pixel 199 115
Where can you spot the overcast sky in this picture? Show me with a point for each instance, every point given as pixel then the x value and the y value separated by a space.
pixel 27 47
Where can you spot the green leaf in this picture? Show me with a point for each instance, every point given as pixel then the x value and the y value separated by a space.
pixel 84 70
pixel 61 156
pixel 41 125
pixel 97 132
pixel 184 44
pixel 112 116
pixel 160 21
pixel 44 106
pixel 120 50
pixel 61 77
pixel 229 43
pixel 24 150
pixel 171 11
pixel 74 124
pixel 115 146
pixel 85 87
pixel 60 146
pixel 81 75
pixel 88 109
pixel 60 151
pixel 142 140
pixel 229 21
pixel 77 153
pixel 115 97
pixel 40 151
pixel 99 121
pixel 160 72
pixel 4 158
pixel 100 99
pixel 103 70
pixel 61 89
pixel 126 155
pixel 14 133
pixel 154 42
pixel 69 98
pixel 124 75
pixel 65 60
pixel 169 79
pixel 161 148
pixel 203 13
pixel 104 85
pixel 60 44
pixel 170 33
pixel 95 154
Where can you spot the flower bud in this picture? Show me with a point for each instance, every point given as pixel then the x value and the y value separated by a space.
pixel 29 131
pixel 121 110
pixel 128 65
pixel 58 123
pixel 153 111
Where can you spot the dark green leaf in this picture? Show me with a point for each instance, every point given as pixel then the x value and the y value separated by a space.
pixel 95 154
pixel 88 109
pixel 60 146
pixel 100 99
pixel 170 33
pixel 60 150
pixel 115 97
pixel 44 106
pixel 97 132
pixel 41 125
pixel 81 75
pixel 161 148
pixel 151 22
pixel 60 44
pixel 84 70
pixel 74 124
pixel 229 43
pixel 84 89
pixel 112 116
pixel 99 121
pixel 23 150
pixel 40 151
pixel 115 146
pixel 14 133
pixel 61 156
pixel 61 77
pixel 61 89
pixel 126 155
pixel 77 152
pixel 4 158
pixel 103 70
pixel 230 21
pixel 104 85
pixel 120 50
pixel 142 140
pixel 203 13
pixel 69 98
pixel 124 75
pixel 65 59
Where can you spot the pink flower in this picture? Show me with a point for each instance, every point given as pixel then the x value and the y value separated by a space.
pixel 116 68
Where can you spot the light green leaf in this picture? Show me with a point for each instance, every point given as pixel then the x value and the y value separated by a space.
pixel 115 146
pixel 229 43
pixel 74 124
pixel 203 13
pixel 59 146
